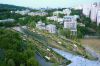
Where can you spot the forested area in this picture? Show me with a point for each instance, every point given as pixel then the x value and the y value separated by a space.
pixel 14 51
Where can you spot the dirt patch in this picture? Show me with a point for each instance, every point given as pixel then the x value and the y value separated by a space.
pixel 92 43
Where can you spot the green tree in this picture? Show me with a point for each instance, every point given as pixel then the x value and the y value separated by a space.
pixel 11 62
pixel 65 32
pixel 32 62
pixel 15 50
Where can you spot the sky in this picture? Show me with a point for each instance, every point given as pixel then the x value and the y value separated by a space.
pixel 47 3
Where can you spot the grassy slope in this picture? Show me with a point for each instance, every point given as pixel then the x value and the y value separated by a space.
pixel 41 44
pixel 63 44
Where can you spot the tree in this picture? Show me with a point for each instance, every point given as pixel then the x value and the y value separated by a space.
pixel 22 64
pixel 98 30
pixel 15 50
pixel 11 62
pixel 79 34
pixel 65 32
pixel 32 62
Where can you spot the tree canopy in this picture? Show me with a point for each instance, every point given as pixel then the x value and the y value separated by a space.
pixel 15 51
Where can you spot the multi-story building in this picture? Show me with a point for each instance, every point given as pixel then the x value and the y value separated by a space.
pixel 37 13
pixel 98 18
pixel 60 20
pixel 70 23
pixel 93 14
pixel 92 10
pixel 86 10
pixel 67 11
pixel 54 18
pixel 41 25
pixel 23 12
pixel 51 28
pixel 57 13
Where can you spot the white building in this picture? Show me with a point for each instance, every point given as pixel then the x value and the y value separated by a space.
pixel 57 12
pixel 70 23
pixel 98 4
pixel 93 15
pixel 51 28
pixel 86 10
pixel 92 10
pixel 67 11
pixel 40 25
pixel 54 18
pixel 76 17
pixel 38 13
pixel 98 18
pixel 23 12
pixel 31 13
pixel 60 20
pixel 8 20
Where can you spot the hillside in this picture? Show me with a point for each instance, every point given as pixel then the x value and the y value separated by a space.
pixel 32 42
pixel 12 7
pixel 18 49
pixel 59 42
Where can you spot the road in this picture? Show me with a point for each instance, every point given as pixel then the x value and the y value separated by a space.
pixel 42 61
pixel 77 60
